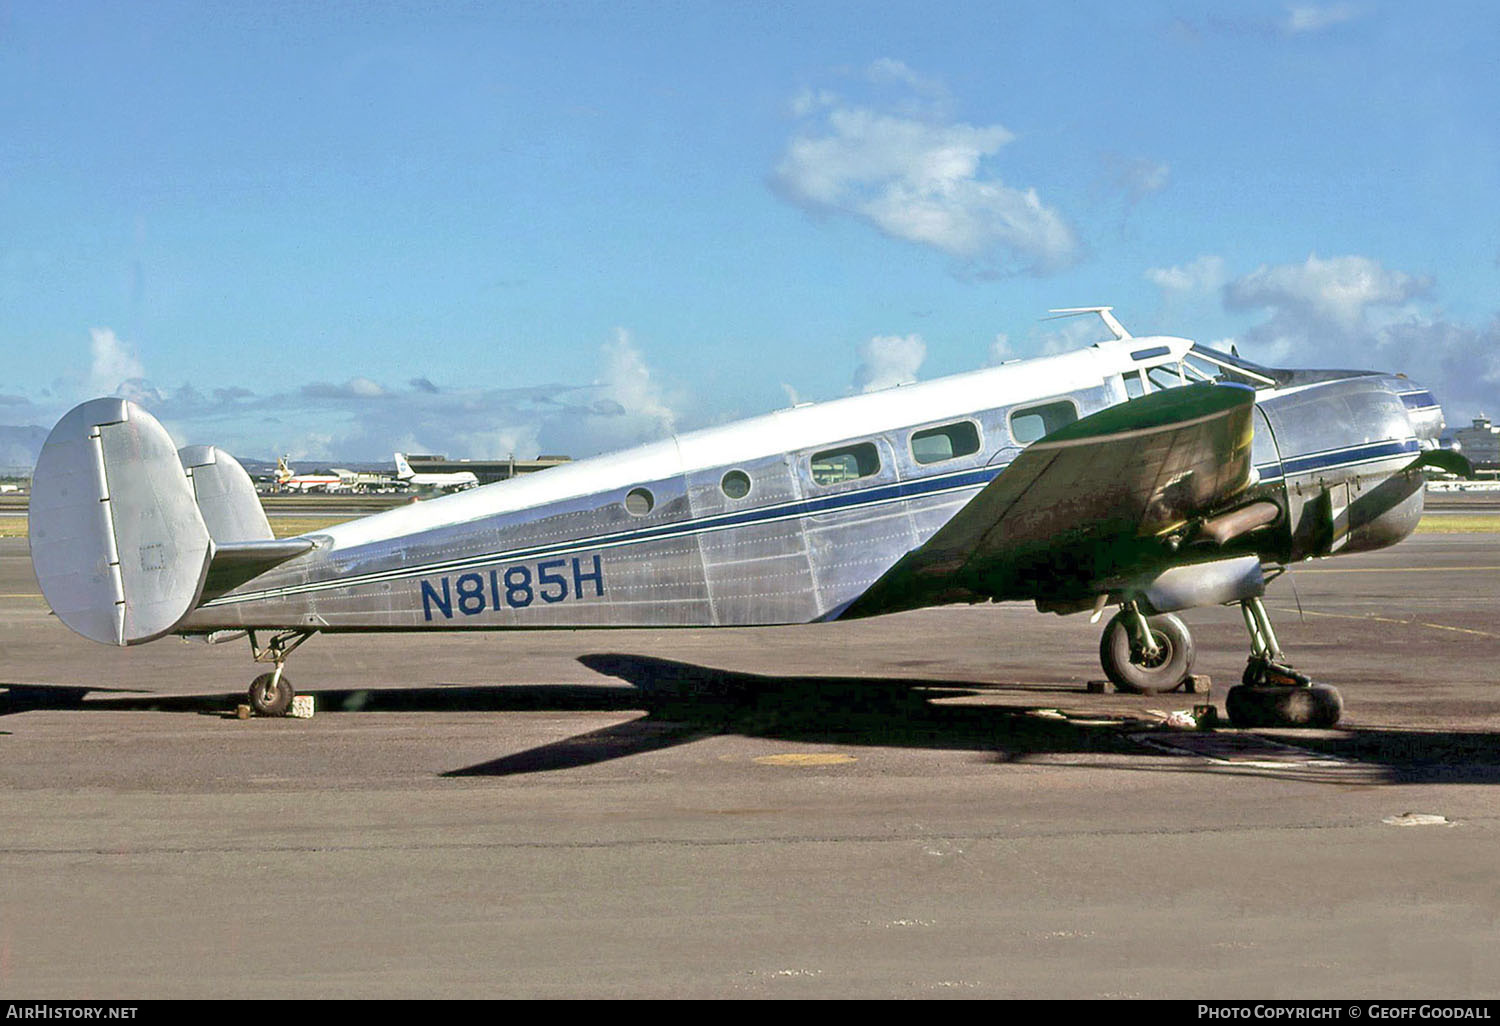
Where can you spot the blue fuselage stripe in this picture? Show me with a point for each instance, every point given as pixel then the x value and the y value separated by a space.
pixel 1347 456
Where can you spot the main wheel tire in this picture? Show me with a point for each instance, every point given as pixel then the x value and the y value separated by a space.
pixel 1130 671
pixel 267 700
pixel 1277 705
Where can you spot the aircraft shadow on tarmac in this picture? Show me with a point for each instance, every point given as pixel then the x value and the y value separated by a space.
pixel 684 702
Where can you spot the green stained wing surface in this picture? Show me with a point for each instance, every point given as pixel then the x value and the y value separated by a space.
pixel 1084 506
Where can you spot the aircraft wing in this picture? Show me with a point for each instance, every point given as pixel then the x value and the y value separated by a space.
pixel 1085 506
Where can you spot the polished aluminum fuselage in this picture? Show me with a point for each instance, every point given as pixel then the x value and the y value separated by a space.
pixel 564 549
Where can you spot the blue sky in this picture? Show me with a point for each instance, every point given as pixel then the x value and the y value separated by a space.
pixel 334 229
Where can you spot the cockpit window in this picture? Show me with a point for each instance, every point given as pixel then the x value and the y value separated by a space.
pixel 1229 367
pixel 1204 364
pixel 1166 375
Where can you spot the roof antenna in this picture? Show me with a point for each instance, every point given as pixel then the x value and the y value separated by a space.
pixel 1103 312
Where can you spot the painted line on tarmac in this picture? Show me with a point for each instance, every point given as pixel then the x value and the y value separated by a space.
pixel 1396 570
pixel 1390 619
pixel 1239 749
pixel 1252 752
pixel 804 759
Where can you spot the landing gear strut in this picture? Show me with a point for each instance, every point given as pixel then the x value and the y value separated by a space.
pixel 1146 655
pixel 271 693
pixel 1272 693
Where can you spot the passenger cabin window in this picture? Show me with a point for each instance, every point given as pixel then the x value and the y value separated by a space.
pixel 639 502
pixel 934 445
pixel 1034 422
pixel 736 484
pixel 847 463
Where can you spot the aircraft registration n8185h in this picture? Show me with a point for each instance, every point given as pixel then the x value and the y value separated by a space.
pixel 1151 474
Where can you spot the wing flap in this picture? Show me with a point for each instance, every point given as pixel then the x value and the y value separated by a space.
pixel 1084 504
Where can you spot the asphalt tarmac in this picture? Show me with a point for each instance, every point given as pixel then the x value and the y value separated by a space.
pixel 924 805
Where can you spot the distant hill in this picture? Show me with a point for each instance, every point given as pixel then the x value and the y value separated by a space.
pixel 19 447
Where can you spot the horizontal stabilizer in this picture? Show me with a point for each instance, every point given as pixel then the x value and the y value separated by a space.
pixel 234 563
pixel 117 542
pixel 265 554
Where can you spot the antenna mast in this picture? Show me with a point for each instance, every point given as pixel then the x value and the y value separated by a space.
pixel 1114 326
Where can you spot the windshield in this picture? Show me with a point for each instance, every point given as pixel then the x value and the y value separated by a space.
pixel 1204 364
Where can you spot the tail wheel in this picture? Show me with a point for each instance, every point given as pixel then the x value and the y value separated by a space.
pixel 269 696
pixel 1131 669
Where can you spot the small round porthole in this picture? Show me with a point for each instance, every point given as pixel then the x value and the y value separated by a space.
pixel 639 502
pixel 736 484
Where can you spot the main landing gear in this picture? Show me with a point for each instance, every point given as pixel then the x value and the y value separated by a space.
pixel 1154 654
pixel 1272 694
pixel 271 693
pixel 1146 655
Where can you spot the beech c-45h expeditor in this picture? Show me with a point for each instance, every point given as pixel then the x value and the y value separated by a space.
pixel 1149 474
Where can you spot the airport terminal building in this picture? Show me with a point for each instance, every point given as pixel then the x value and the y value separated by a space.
pixel 1480 442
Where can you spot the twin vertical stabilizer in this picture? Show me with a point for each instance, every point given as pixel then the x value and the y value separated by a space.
pixel 124 529
pixel 119 546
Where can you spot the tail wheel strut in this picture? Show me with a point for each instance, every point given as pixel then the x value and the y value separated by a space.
pixel 271 693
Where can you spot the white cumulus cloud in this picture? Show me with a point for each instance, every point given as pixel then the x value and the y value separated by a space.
pixel 1205 274
pixel 888 69
pixel 1136 177
pixel 1337 292
pixel 919 176
pixel 362 418
pixel 886 360
pixel 1353 312
pixel 628 384
pixel 112 363
pixel 1312 18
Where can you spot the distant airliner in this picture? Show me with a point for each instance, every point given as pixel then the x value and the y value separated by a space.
pixel 442 482
pixel 288 481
